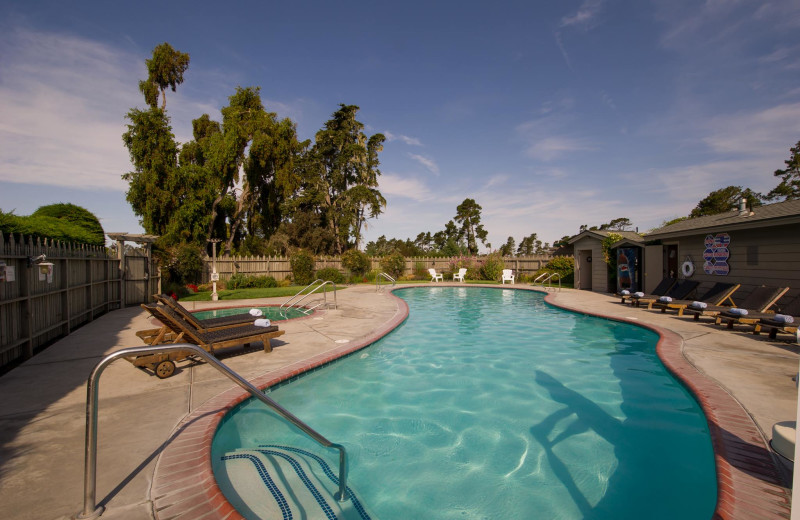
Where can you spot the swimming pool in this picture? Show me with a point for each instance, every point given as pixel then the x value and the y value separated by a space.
pixel 270 312
pixel 488 403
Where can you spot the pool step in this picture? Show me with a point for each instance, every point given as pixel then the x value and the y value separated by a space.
pixel 282 482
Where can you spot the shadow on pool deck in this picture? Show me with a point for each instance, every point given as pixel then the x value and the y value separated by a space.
pixel 42 414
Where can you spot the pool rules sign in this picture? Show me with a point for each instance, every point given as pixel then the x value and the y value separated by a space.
pixel 716 254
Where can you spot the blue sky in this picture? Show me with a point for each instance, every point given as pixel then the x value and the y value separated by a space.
pixel 549 114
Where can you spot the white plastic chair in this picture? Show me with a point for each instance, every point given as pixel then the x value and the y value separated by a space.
pixel 508 274
pixel 459 276
pixel 436 277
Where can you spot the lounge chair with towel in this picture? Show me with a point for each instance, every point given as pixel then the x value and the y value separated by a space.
pixel 223 322
pixel 659 290
pixel 761 299
pixel 744 315
pixel 717 294
pixel 679 291
pixel 784 321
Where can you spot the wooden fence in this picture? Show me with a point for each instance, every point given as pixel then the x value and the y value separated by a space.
pixel 279 267
pixel 40 303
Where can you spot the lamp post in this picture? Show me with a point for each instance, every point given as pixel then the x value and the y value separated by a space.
pixel 214 274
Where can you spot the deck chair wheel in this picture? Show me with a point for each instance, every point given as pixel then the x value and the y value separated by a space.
pixel 165 369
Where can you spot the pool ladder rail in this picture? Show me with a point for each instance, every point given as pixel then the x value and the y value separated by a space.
pixel 90 507
pixel 547 278
pixel 378 286
pixel 295 301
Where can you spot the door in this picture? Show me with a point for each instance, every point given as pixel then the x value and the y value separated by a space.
pixel 671 262
pixel 585 269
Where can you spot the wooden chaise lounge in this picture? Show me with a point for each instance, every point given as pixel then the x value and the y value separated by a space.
pixel 223 322
pixel 774 326
pixel 730 317
pixel 679 291
pixel 659 290
pixel 717 294
pixel 178 330
pixel 761 299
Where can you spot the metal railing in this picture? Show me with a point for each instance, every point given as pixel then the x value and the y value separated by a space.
pixel 312 288
pixel 547 278
pixel 378 287
pixel 90 507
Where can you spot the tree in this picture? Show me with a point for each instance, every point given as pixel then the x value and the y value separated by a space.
pixel 527 245
pixel 76 215
pixel 725 199
pixel 468 214
pixel 340 176
pixel 507 249
pixel 789 187
pixel 164 69
pixel 617 224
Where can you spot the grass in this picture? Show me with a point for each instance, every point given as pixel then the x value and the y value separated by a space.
pixel 248 294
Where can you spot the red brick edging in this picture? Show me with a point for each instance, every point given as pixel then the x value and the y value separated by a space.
pixel 749 483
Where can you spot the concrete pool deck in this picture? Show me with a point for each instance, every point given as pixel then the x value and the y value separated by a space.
pixel 145 422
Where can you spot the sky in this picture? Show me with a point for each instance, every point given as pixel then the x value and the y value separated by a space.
pixel 550 115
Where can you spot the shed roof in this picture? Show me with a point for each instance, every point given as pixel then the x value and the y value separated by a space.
pixel 777 214
pixel 601 234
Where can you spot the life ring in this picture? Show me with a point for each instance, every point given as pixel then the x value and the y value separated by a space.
pixel 687 269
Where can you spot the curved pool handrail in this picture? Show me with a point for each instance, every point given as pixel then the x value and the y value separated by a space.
pixel 378 280
pixel 90 507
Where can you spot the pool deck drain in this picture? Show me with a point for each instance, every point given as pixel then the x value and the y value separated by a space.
pixel 155 435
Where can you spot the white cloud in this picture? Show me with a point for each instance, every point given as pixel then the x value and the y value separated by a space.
pixel 585 16
pixel 762 133
pixel 428 163
pixel 402 186
pixel 63 101
pixel 411 141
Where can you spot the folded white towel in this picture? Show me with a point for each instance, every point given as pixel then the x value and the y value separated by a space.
pixel 639 294
pixel 665 299
pixel 262 322
pixel 783 318
pixel 625 292
pixel 256 312
pixel 698 305
pixel 738 311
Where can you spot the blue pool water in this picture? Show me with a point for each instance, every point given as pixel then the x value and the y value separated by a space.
pixel 269 312
pixel 490 404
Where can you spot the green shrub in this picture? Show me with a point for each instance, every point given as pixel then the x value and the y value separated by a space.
pixel 63 222
pixel 393 264
pixel 330 274
pixel 188 264
pixel 240 281
pixel 563 265
pixel 492 267
pixel 302 263
pixel 355 261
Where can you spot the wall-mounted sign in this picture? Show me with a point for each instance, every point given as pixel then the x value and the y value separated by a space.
pixel 716 254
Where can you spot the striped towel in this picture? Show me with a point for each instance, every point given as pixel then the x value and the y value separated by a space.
pixel 665 299
pixel 263 322
pixel 639 294
pixel 738 311
pixel 698 305
pixel 783 318
pixel 256 312
pixel 625 292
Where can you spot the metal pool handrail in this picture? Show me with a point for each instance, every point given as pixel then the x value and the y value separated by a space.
pixel 291 303
pixel 90 507
pixel 547 277
pixel 378 280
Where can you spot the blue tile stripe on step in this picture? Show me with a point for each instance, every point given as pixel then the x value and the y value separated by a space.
pixel 323 504
pixel 328 472
pixel 264 474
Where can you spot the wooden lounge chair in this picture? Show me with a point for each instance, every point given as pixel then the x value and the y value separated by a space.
pixel 659 290
pixel 730 317
pixel 215 339
pixel 773 326
pixel 761 299
pixel 717 294
pixel 163 365
pixel 222 322
pixel 679 291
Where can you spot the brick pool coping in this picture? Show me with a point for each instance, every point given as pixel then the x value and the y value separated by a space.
pixel 749 484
